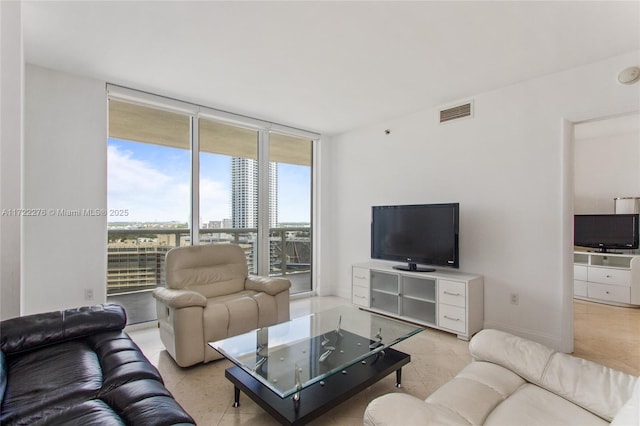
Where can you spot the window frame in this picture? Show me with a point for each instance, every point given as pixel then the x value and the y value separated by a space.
pixel 264 129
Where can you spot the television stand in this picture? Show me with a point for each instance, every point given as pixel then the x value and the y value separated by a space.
pixel 446 300
pixel 412 267
pixel 608 278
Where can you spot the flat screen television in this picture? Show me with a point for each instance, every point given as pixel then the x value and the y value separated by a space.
pixel 606 231
pixel 424 234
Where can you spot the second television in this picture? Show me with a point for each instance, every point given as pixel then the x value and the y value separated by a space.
pixel 605 232
pixel 418 234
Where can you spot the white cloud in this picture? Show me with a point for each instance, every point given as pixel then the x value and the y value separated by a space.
pixel 146 192
pixel 160 190
pixel 214 201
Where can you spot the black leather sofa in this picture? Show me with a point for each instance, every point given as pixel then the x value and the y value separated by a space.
pixel 78 367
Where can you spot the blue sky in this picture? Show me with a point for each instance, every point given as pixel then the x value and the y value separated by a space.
pixel 152 182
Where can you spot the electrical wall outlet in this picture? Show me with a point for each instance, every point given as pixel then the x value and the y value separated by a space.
pixel 514 298
pixel 88 294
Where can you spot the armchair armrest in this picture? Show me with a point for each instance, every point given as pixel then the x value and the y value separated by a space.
pixel 33 331
pixel 179 298
pixel 269 285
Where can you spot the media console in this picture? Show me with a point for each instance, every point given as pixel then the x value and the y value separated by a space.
pixel 608 278
pixel 447 300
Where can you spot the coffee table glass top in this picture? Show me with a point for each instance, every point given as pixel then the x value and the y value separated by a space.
pixel 293 355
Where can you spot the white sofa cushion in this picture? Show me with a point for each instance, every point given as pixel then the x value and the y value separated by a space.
pixel 396 409
pixel 489 394
pixel 209 269
pixel 476 391
pixel 532 405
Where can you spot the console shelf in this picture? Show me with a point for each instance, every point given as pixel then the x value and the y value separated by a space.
pixel 446 300
pixel 608 278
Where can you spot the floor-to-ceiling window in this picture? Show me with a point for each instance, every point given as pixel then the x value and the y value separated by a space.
pixel 228 186
pixel 290 196
pixel 183 174
pixel 148 155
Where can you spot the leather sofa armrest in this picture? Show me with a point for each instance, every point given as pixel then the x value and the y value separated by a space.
pixel 33 331
pixel 526 358
pixel 269 285
pixel 3 376
pixel 179 298
pixel 594 387
pixel 629 414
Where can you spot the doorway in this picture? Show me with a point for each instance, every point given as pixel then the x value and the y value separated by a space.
pixel 606 165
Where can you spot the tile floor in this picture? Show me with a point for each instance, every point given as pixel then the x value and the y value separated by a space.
pixel 436 357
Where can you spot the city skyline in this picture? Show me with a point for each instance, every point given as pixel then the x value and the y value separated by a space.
pixel 152 184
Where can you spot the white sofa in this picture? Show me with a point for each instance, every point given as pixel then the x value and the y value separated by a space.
pixel 514 381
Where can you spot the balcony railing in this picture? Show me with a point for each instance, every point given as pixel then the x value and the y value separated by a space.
pixel 135 257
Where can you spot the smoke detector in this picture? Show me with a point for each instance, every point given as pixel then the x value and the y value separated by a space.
pixel 629 75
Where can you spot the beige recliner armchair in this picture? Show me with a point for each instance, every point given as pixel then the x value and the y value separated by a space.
pixel 210 296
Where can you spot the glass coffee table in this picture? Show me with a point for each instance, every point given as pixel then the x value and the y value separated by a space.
pixel 299 369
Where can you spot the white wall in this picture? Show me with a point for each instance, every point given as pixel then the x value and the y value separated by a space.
pixel 511 170
pixel 11 92
pixel 606 167
pixel 65 167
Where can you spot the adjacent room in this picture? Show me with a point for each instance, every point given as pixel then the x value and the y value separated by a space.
pixel 257 212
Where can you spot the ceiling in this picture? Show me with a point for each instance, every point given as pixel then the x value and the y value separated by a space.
pixel 324 66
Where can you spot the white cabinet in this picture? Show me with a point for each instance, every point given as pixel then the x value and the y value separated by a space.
pixel 452 301
pixel 446 300
pixel 607 278
pixel 360 287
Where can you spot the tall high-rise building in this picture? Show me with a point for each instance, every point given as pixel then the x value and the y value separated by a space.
pixel 273 195
pixel 244 193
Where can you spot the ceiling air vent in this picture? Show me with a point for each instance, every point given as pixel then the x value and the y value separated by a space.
pixel 456 112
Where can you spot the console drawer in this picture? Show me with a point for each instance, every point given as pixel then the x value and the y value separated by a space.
pixel 579 272
pixel 580 288
pixel 612 293
pixel 360 277
pixel 610 276
pixel 452 293
pixel 452 318
pixel 360 296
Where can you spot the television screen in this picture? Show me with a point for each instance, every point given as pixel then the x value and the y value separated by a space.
pixel 606 231
pixel 417 234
